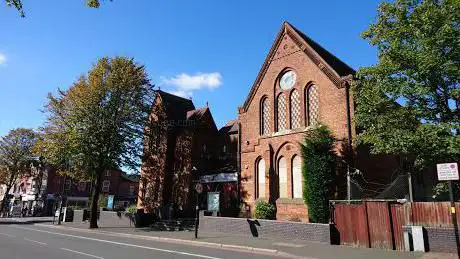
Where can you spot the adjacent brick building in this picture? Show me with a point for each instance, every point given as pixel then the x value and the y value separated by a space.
pixel 183 146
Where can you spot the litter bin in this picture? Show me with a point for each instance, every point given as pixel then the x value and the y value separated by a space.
pixel 68 215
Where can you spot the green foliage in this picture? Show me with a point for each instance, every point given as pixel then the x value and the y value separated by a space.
pixel 16 156
pixel 18 5
pixel 318 168
pixel 98 123
pixel 132 208
pixel 408 102
pixel 441 191
pixel 265 210
pixel 103 199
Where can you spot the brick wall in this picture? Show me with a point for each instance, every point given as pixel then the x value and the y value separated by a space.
pixel 291 210
pixel 270 229
pixel 106 219
pixel 441 239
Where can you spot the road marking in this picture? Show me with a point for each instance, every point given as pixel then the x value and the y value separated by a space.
pixel 8 235
pixel 41 243
pixel 89 255
pixel 119 243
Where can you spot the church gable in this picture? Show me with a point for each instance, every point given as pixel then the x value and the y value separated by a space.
pixel 290 41
pixel 285 48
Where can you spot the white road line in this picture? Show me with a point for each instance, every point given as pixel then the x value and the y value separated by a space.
pixel 7 235
pixel 90 255
pixel 41 243
pixel 119 243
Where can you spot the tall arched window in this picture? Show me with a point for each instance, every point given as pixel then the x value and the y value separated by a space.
pixel 261 178
pixel 295 109
pixel 282 177
pixel 265 117
pixel 312 105
pixel 281 103
pixel 297 181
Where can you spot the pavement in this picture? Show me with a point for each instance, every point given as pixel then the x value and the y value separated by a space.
pixel 25 220
pixel 291 249
pixel 125 242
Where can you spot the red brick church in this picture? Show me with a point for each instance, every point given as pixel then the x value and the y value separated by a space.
pixel 299 86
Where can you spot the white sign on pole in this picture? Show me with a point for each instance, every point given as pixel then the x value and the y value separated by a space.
pixel 447 172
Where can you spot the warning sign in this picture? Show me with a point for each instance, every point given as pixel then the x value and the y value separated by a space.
pixel 447 172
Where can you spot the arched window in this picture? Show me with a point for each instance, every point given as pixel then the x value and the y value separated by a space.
pixel 260 178
pixel 297 181
pixel 312 105
pixel 282 177
pixel 265 117
pixel 295 109
pixel 281 103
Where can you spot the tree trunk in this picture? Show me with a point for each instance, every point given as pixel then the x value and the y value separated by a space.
pixel 95 201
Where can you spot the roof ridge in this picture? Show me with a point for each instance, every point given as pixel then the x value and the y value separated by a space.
pixel 310 40
pixel 173 95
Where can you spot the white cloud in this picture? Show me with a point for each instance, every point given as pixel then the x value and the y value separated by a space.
pixel 185 84
pixel 2 59
pixel 181 93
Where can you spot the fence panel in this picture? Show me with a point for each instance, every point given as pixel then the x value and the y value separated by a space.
pixel 435 214
pixel 380 228
pixel 399 215
pixel 351 223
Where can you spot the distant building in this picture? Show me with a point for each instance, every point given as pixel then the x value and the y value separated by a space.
pixel 28 191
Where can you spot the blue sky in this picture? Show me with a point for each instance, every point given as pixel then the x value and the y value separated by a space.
pixel 211 50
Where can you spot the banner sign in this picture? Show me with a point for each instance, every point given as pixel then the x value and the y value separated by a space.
pixel 218 178
pixel 213 201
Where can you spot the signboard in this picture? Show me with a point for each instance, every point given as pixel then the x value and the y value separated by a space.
pixel 199 188
pixel 110 201
pixel 218 178
pixel 213 201
pixel 447 172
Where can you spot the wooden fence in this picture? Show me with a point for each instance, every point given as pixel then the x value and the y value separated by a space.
pixel 380 224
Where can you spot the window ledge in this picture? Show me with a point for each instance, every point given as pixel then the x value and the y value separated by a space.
pixel 287 132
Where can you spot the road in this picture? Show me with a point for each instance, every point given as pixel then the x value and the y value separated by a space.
pixel 34 242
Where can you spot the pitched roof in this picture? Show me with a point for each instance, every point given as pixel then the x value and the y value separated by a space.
pixel 335 69
pixel 196 114
pixel 230 127
pixel 203 116
pixel 338 65
pixel 176 107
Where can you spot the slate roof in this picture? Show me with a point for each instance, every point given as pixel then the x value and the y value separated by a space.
pixel 338 65
pixel 230 127
pixel 196 114
pixel 176 107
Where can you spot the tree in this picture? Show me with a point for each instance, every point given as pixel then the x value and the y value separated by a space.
pixel 18 5
pixel 318 168
pixel 15 157
pixel 98 123
pixel 408 103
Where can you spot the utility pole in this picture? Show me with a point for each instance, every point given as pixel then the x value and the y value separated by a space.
pixel 409 181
